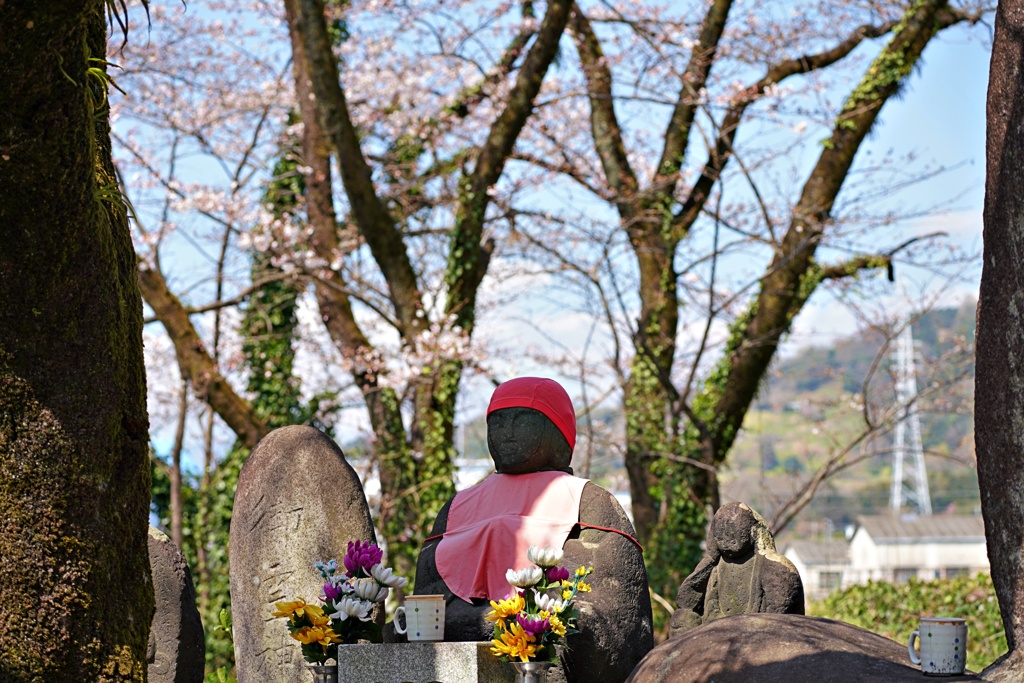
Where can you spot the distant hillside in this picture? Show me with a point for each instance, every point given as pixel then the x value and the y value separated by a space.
pixel 813 405
pixel 850 359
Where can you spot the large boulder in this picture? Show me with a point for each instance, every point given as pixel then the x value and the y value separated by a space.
pixel 771 648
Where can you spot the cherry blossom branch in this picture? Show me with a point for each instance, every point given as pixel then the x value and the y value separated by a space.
pixel 375 222
pixel 195 361
pixel 468 255
pixel 604 124
pixel 722 149
pixel 677 133
pixel 233 301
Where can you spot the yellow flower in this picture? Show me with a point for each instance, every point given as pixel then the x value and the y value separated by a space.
pixel 502 609
pixel 566 594
pixel 583 587
pixel 316 615
pixel 516 644
pixel 557 627
pixel 583 571
pixel 316 634
pixel 287 608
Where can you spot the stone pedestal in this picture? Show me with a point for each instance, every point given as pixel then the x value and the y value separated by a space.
pixel 422 663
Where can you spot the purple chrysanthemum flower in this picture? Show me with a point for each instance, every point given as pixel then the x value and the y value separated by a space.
pixel 361 557
pixel 532 624
pixel 333 591
pixel 556 574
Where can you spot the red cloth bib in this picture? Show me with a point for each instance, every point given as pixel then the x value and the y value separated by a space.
pixel 492 524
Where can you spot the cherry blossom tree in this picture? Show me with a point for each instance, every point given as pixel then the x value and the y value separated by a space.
pixel 683 174
pixel 700 191
pixel 416 180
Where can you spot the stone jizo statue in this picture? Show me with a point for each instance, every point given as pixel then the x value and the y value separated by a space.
pixel 741 573
pixel 533 499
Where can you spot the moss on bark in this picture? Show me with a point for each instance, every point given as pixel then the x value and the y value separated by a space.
pixel 76 598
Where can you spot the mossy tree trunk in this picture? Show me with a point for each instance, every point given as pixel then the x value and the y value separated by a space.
pixel 76 599
pixel 676 438
pixel 416 465
pixel 719 407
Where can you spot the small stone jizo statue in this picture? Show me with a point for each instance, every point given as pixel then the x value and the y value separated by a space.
pixel 741 573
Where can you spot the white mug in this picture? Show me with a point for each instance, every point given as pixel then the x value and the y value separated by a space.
pixel 943 646
pixel 424 617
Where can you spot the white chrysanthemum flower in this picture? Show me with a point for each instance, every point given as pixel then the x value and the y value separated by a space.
pixel 548 602
pixel 544 557
pixel 370 590
pixel 524 577
pixel 351 606
pixel 386 577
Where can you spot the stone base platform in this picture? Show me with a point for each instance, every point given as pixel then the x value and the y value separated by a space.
pixel 422 663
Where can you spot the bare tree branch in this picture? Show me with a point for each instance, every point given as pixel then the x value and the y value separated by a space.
pixel 196 363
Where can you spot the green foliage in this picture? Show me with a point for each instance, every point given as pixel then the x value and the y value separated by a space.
pixel 673 548
pixel 212 525
pixel 893 610
pixel 225 624
pixel 673 552
pixel 221 675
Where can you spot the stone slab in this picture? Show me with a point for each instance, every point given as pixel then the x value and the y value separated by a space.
pixel 177 649
pixel 470 662
pixel 298 501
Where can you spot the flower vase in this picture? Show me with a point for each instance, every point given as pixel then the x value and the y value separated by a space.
pixel 324 673
pixel 531 672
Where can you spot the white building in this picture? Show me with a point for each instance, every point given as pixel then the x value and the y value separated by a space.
pixel 823 565
pixel 890 548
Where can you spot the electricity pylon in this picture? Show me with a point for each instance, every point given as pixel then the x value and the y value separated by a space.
pixel 909 479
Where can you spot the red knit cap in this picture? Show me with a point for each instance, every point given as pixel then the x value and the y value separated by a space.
pixel 539 393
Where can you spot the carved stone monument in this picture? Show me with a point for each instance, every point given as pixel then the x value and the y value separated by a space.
pixel 531 431
pixel 298 501
pixel 741 573
pixel 177 650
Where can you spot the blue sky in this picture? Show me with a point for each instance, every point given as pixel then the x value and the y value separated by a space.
pixel 941 117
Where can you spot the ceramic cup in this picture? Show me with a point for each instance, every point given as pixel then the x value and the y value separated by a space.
pixel 424 617
pixel 943 643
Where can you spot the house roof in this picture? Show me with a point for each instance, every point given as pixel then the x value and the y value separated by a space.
pixel 819 552
pixel 892 529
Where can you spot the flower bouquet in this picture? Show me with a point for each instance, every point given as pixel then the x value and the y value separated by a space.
pixel 538 612
pixel 348 599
